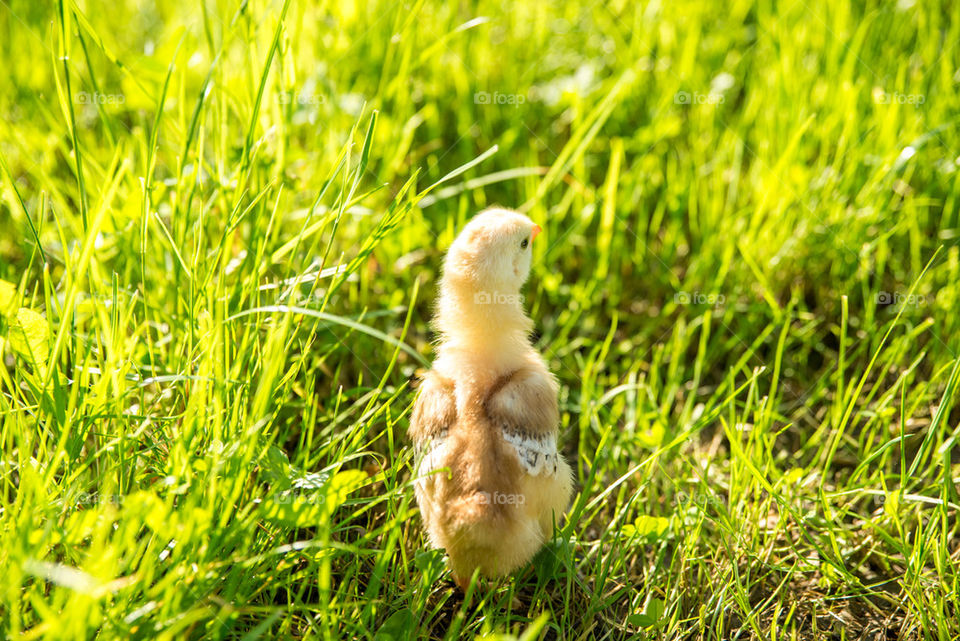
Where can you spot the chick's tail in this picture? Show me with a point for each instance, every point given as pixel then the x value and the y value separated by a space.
pixel 483 479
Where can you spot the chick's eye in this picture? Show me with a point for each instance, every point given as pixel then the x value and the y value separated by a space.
pixel 524 243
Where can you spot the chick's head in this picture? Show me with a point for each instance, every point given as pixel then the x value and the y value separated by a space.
pixel 493 252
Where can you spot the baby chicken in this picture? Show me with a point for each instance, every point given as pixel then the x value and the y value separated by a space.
pixel 491 483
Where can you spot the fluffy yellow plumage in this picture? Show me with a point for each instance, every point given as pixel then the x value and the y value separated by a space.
pixel 490 481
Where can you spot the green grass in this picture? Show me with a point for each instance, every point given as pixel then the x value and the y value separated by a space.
pixel 221 226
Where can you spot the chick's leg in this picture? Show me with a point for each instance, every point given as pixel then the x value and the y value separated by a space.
pixel 463 582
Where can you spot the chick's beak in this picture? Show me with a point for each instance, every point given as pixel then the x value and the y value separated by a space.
pixel 536 232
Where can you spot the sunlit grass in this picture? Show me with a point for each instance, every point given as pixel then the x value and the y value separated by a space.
pixel 221 225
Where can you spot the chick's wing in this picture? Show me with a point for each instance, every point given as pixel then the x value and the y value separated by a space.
pixel 524 408
pixel 434 413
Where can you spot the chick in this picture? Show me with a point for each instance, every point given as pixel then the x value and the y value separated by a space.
pixel 490 482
